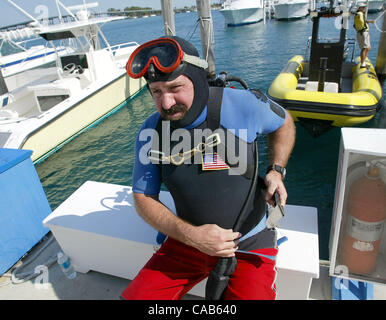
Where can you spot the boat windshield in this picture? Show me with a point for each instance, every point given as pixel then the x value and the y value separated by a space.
pixel 325 35
pixel 7 48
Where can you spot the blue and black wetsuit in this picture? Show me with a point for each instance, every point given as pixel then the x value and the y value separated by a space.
pixel 214 196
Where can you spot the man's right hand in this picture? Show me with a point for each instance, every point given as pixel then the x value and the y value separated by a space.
pixel 208 238
pixel 214 240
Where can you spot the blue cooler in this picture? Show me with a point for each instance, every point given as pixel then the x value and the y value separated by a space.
pixel 23 206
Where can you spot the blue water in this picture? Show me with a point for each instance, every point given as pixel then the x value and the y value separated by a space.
pixel 254 52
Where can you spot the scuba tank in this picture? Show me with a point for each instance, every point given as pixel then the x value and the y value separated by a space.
pixel 366 214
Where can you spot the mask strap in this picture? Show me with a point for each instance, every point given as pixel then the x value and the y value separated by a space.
pixel 195 61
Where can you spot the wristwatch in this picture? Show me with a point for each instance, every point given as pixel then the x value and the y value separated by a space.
pixel 277 168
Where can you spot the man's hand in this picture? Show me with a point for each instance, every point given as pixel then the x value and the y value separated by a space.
pixel 274 182
pixel 214 240
pixel 209 238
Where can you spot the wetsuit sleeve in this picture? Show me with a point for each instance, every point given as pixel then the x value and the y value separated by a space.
pixel 146 175
pixel 243 109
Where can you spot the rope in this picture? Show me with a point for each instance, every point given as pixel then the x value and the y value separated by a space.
pixel 375 22
pixel 191 35
pixel 31 274
pixel 169 29
pixel 202 19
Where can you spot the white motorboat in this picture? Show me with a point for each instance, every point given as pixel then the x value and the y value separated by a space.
pixel 376 5
pixel 15 57
pixel 241 12
pixel 18 55
pixel 291 9
pixel 81 89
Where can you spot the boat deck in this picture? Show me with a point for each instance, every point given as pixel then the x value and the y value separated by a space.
pixel 98 286
pixel 346 83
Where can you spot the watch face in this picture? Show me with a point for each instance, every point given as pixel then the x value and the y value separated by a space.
pixel 278 168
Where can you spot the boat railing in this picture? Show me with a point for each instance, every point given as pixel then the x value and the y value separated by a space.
pixel 30 53
pixel 40 48
pixel 351 42
pixel 124 49
pixel 124 45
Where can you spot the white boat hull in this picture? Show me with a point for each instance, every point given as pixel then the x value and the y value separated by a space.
pixel 286 11
pixel 376 5
pixel 83 112
pixel 238 17
pixel 86 85
pixel 32 58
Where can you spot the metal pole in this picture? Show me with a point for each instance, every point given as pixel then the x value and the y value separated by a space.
pixel 68 11
pixel 380 65
pixel 206 29
pixel 24 12
pixel 168 17
pixel 59 12
pixel 264 10
pixel 367 10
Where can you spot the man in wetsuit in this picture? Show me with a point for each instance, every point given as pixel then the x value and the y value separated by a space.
pixel 208 177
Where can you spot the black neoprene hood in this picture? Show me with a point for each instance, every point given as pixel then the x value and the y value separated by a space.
pixel 196 74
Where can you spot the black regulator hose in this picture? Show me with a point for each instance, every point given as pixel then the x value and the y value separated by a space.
pixel 224 78
pixel 219 277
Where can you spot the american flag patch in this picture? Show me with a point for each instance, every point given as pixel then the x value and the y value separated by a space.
pixel 212 161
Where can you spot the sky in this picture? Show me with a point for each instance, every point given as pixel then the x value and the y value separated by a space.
pixel 10 15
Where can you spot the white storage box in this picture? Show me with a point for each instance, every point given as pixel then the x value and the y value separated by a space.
pixel 357 238
pixel 98 227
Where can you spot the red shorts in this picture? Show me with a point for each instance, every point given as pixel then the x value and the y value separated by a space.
pixel 176 268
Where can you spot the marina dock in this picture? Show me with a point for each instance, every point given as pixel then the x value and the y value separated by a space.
pixel 90 220
pixel 301 275
pixel 100 286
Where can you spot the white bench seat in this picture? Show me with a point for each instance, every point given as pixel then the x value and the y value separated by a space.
pixel 98 227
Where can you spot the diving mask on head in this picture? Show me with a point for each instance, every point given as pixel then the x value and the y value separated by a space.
pixel 161 56
pixel 167 58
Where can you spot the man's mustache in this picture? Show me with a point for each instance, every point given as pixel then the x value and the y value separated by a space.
pixel 179 107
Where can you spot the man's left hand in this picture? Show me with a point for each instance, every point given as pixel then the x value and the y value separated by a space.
pixel 274 182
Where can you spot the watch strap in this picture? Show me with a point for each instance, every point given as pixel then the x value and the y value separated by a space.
pixel 277 168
